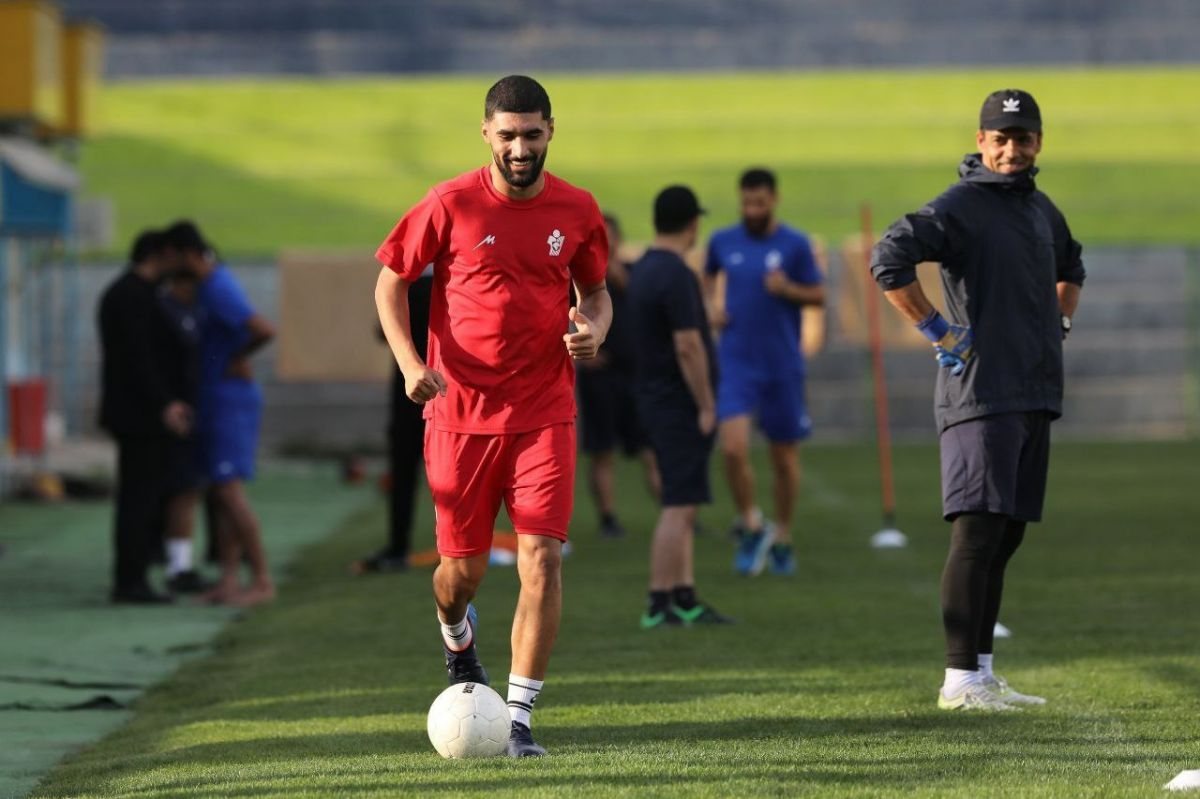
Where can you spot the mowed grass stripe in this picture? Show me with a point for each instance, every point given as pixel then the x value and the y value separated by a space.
pixel 268 164
pixel 825 688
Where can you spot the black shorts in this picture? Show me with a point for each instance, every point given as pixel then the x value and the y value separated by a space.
pixel 682 454
pixel 996 464
pixel 608 412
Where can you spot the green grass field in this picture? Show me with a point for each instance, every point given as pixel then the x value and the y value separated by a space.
pixel 267 164
pixel 826 688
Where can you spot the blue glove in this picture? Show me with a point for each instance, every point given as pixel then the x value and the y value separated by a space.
pixel 953 344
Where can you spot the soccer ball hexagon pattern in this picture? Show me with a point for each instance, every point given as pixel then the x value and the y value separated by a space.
pixel 469 720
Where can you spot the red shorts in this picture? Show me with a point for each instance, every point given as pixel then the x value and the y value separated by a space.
pixel 469 475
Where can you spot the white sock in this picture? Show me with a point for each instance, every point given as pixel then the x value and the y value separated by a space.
pixel 958 680
pixel 458 636
pixel 179 556
pixel 985 667
pixel 522 693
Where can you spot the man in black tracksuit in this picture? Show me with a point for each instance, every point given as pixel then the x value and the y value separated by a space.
pixel 1012 276
pixel 140 409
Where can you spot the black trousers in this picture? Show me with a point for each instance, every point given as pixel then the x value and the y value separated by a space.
pixel 406 445
pixel 141 490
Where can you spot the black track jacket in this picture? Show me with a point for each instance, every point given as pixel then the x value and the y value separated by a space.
pixel 1003 247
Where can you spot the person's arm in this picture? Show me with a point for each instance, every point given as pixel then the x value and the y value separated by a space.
pixel 911 240
pixel 1068 297
pixel 592 318
pixel 259 333
pixel 693 364
pixel 1071 273
pixel 717 316
pixel 146 378
pixel 421 383
pixel 781 286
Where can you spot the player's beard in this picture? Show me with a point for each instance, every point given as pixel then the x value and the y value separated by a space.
pixel 520 181
pixel 757 226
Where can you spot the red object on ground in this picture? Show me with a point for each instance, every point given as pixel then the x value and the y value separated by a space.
pixel 27 416
pixel 882 427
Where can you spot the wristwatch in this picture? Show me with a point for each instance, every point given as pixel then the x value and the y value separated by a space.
pixel 1065 321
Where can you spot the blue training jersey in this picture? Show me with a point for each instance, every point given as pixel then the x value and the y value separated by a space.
pixel 224 311
pixel 763 332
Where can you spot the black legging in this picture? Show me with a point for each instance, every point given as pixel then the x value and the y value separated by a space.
pixel 973 582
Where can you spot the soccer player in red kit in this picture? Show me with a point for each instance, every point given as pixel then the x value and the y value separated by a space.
pixel 505 241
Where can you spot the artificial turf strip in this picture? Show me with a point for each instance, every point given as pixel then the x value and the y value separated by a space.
pixel 267 164
pixel 825 688
pixel 62 644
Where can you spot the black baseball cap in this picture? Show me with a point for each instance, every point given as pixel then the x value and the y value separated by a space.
pixel 1010 108
pixel 674 209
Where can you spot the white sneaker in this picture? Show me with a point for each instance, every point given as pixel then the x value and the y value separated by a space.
pixel 973 697
pixel 1000 687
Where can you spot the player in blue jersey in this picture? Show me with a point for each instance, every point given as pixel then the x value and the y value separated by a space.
pixel 228 407
pixel 770 272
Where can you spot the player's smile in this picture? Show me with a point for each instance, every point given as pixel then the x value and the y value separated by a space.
pixel 519 145
pixel 1010 150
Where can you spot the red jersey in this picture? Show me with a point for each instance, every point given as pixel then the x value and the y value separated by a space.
pixel 502 270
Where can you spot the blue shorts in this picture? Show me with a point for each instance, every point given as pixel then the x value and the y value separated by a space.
pixel 227 440
pixel 776 399
pixel 996 464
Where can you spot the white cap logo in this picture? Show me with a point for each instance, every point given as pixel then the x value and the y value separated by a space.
pixel 1012 105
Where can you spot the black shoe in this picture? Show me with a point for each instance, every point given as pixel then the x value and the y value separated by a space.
pixel 140 595
pixel 612 528
pixel 666 617
pixel 189 582
pixel 464 666
pixel 382 562
pixel 521 743
pixel 702 613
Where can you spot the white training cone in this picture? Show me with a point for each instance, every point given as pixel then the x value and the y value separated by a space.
pixel 1185 780
pixel 889 539
pixel 1000 631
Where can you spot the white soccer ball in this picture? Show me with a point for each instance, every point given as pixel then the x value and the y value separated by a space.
pixel 469 720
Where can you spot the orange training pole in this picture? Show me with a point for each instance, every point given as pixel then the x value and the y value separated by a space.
pixel 882 428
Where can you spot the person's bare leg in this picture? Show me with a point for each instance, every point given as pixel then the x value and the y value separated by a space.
pixel 653 478
pixel 455 582
pixel 785 461
pixel 539 606
pixel 671 548
pixel 230 554
pixel 600 478
pixel 735 447
pixel 247 534
pixel 181 513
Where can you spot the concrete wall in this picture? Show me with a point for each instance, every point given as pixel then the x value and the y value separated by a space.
pixel 221 37
pixel 1131 364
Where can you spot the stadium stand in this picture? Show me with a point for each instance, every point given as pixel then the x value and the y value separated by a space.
pixel 220 37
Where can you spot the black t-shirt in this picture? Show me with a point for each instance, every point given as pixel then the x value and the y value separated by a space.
pixel 664 296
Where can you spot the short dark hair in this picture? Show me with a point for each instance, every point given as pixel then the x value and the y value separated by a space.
pixel 186 237
pixel 148 244
pixel 516 94
pixel 757 178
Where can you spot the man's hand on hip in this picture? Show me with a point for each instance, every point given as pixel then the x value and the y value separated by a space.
pixel 955 349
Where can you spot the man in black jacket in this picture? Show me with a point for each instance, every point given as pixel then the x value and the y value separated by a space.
pixel 139 409
pixel 1012 276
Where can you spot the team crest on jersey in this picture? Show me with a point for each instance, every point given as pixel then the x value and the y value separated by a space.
pixel 556 242
pixel 774 259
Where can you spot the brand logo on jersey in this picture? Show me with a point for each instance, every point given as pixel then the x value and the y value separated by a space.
pixel 486 240
pixel 1012 105
pixel 556 242
pixel 774 259
pixel 736 259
